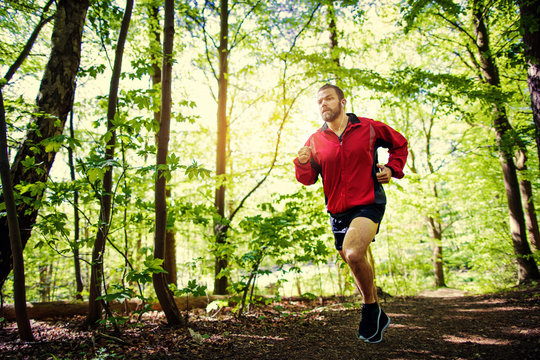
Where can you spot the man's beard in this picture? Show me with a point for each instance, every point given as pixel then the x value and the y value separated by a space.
pixel 331 114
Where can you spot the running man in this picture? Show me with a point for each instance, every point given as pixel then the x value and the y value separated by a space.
pixel 344 153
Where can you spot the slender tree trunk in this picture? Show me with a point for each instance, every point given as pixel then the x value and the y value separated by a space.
pixel 334 36
pixel 530 22
pixel 222 224
pixel 19 288
pixel 96 276
pixel 76 216
pixel 437 250
pixel 52 106
pixel 169 263
pixel 220 229
pixel 433 221
pixel 164 295
pixel 45 281
pixel 527 199
pixel 527 268
pixel 531 220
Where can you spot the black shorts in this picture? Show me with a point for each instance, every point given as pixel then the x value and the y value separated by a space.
pixel 340 222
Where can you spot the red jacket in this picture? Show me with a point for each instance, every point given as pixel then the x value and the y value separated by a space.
pixel 348 166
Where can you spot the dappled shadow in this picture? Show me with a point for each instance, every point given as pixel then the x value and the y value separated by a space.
pixel 466 328
pixel 502 326
pixel 422 328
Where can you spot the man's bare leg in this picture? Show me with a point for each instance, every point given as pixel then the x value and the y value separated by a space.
pixel 355 253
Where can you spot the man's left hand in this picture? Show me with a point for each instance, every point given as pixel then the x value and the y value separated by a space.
pixel 384 175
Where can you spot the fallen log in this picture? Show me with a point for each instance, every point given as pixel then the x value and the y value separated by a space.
pixel 53 309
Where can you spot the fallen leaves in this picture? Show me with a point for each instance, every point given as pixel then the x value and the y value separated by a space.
pixel 421 328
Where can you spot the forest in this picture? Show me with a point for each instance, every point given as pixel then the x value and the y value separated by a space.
pixel 146 158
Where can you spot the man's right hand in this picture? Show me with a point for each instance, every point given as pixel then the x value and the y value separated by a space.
pixel 304 154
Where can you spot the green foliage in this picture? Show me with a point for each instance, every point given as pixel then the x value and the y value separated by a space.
pixel 104 16
pixel 288 234
pixel 400 75
pixel 119 293
pixel 193 171
pixel 151 266
pixel 192 288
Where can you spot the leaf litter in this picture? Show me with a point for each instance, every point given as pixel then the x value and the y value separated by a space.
pixel 505 325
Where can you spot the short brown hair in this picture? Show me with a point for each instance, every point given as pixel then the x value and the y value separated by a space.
pixel 338 91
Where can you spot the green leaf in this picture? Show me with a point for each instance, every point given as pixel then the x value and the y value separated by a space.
pixel 95 174
pixel 28 162
pixel 154 265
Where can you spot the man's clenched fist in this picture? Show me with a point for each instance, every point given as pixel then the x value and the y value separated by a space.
pixel 304 154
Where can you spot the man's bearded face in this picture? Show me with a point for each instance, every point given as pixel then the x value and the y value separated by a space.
pixel 329 105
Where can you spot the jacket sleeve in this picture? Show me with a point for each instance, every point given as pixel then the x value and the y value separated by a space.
pixel 305 173
pixel 397 148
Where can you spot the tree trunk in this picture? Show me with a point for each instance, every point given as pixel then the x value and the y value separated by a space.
pixel 52 106
pixel 530 21
pixel 169 263
pixel 220 229
pixel 433 221
pixel 164 295
pixel 46 273
pixel 334 35
pixel 527 268
pixel 96 276
pixel 55 309
pixel 531 221
pixel 527 198
pixel 436 237
pixel 19 288
pixel 76 216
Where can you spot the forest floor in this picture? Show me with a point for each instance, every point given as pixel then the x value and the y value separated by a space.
pixel 504 325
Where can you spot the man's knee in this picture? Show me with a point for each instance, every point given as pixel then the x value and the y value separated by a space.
pixel 355 255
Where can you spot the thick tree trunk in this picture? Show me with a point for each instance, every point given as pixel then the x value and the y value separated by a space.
pixel 19 287
pixel 53 105
pixel 96 276
pixel 164 295
pixel 533 79
pixel 530 22
pixel 220 229
pixel 53 309
pixel 527 268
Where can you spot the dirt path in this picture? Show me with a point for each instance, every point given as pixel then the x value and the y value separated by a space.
pixel 502 326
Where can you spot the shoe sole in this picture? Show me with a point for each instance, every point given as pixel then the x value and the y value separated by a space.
pixel 377 338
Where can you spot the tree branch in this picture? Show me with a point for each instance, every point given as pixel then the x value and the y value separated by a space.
pixel 234 41
pixel 457 26
pixel 30 43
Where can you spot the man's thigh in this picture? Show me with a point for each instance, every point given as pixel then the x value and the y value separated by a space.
pixel 360 234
